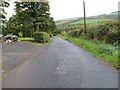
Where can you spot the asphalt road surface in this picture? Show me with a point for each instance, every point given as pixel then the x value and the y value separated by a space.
pixel 62 65
pixel 16 53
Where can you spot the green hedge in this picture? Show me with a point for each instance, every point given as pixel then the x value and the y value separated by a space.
pixel 64 33
pixel 106 32
pixel 41 37
pixel 75 33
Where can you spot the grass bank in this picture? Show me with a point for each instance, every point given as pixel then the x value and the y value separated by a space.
pixel 35 43
pixel 105 52
pixel 31 40
pixel 26 38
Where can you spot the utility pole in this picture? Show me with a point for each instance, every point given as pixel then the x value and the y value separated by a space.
pixel 84 17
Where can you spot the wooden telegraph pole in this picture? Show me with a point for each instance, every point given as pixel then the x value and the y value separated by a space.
pixel 84 17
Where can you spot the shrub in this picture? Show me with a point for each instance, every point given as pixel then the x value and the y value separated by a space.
pixel 51 35
pixel 75 33
pixel 41 37
pixel 91 31
pixel 107 32
pixel 63 33
pixel 20 34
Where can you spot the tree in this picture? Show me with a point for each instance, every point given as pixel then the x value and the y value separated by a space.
pixel 34 16
pixel 3 5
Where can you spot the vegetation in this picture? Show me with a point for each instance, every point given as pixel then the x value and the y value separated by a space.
pixel 3 4
pixel 75 33
pixel 30 17
pixel 105 52
pixel 27 39
pixel 89 21
pixel 79 20
pixel 20 34
pixel 37 43
pixel 41 37
pixel 106 32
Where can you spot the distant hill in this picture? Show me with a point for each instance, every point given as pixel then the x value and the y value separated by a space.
pixel 117 12
pixel 79 20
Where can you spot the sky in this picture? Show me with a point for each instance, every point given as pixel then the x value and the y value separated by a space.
pixel 61 9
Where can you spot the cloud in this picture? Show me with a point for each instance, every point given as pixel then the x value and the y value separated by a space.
pixel 74 8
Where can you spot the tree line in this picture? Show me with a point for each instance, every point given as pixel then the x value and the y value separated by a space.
pixel 3 4
pixel 30 17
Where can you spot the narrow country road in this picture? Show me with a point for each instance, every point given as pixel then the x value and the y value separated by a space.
pixel 62 65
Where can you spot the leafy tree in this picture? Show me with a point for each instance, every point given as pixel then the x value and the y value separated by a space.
pixel 3 5
pixel 34 16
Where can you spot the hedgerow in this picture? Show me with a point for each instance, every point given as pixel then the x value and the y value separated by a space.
pixel 41 37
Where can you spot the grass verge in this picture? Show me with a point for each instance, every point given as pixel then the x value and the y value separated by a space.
pixel 36 43
pixel 26 38
pixel 104 52
pixel 31 40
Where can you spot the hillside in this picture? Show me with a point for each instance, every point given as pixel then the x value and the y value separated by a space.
pixel 91 19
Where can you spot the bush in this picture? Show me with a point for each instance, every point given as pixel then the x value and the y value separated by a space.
pixel 75 33
pixel 41 37
pixel 51 35
pixel 107 32
pixel 20 34
pixel 91 31
pixel 63 33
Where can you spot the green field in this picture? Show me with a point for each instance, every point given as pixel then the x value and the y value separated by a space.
pixel 91 21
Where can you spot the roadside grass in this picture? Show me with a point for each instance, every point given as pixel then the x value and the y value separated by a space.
pixel 31 41
pixel 26 38
pixel 36 43
pixel 104 52
pixel 89 21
